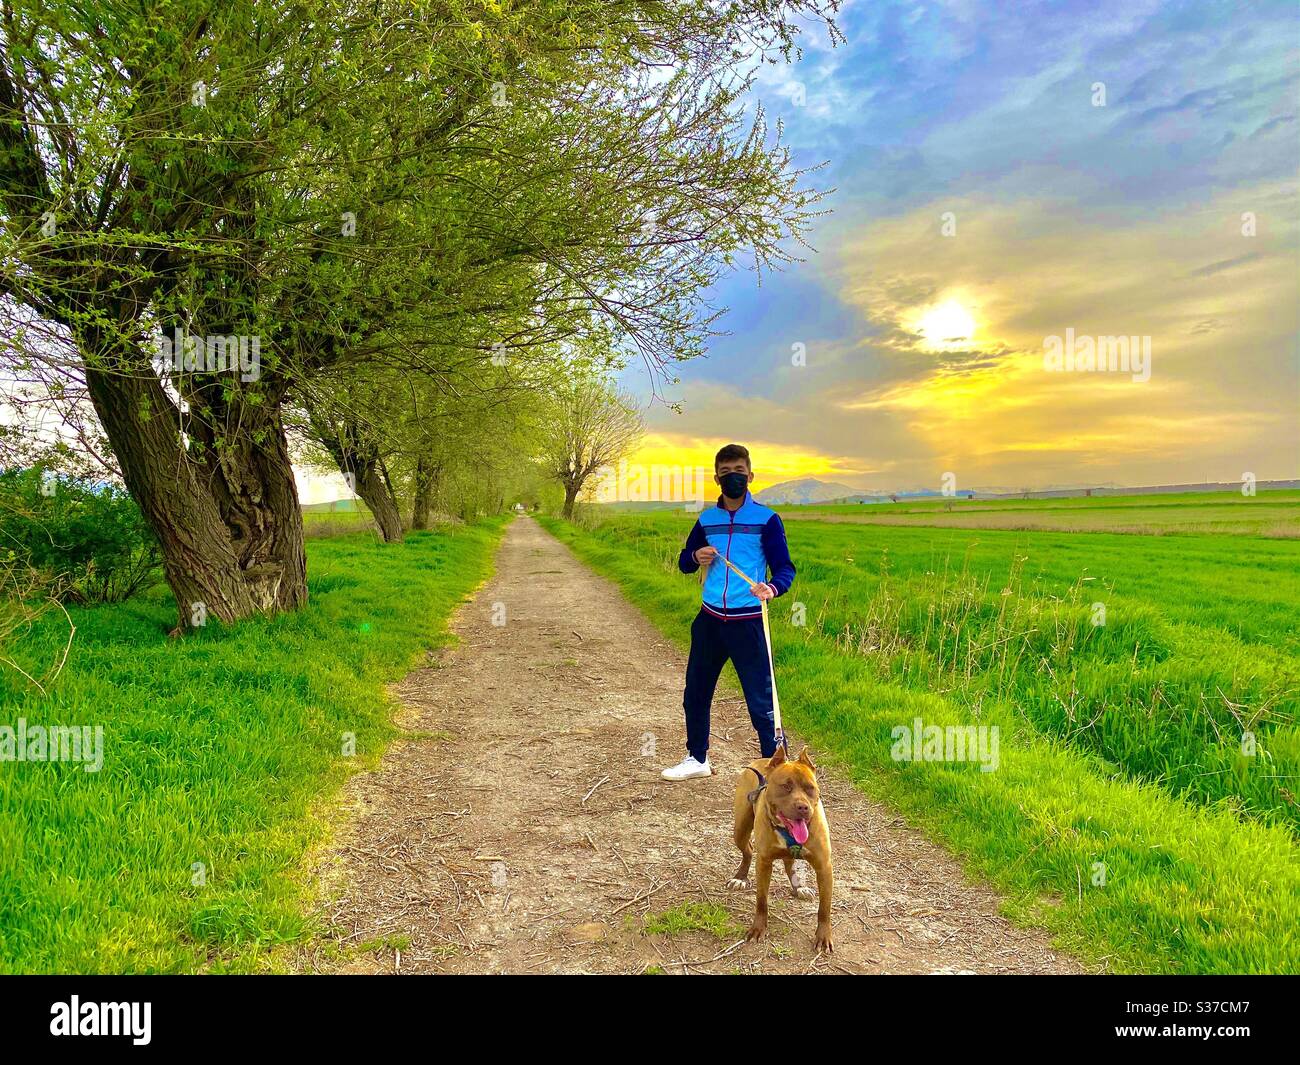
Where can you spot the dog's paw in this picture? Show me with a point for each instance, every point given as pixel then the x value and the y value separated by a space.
pixel 737 885
pixel 801 892
pixel 756 931
pixel 822 941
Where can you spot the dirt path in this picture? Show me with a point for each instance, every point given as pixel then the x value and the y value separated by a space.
pixel 522 825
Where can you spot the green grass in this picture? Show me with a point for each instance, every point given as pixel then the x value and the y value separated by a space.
pixel 1274 513
pixel 1123 815
pixel 706 917
pixel 188 850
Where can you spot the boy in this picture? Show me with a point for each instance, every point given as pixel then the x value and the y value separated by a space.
pixel 730 622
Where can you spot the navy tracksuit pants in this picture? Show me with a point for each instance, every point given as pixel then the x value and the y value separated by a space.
pixel 713 641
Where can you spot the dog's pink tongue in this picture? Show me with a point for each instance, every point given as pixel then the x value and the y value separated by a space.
pixel 798 829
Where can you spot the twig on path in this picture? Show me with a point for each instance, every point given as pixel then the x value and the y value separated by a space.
pixel 619 856
pixel 553 913
pixel 602 780
pixel 631 902
pixel 717 957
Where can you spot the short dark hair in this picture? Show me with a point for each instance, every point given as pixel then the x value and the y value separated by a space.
pixel 730 453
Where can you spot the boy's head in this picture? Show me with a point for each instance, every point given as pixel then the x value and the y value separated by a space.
pixel 732 471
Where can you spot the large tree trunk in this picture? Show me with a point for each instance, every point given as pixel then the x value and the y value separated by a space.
pixel 227 517
pixel 376 490
pixel 571 489
pixel 362 465
pixel 426 485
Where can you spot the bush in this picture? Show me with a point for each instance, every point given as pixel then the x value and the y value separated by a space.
pixel 91 539
pixel 27 595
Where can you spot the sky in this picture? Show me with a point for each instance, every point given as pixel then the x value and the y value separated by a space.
pixel 1014 183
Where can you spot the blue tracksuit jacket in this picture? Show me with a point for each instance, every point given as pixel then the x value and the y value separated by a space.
pixel 753 538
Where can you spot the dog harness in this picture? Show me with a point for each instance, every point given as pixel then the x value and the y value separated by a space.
pixel 796 849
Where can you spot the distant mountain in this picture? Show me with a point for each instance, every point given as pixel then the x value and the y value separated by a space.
pixel 907 494
pixel 806 490
pixel 811 490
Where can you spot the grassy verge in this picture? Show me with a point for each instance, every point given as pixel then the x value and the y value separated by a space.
pixel 1120 865
pixel 185 851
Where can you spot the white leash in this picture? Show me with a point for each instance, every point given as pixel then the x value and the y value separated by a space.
pixel 767 639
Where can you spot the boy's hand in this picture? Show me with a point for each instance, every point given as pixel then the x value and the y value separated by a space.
pixel 705 555
pixel 764 591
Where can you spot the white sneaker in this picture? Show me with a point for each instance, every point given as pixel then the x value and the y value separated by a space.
pixel 689 769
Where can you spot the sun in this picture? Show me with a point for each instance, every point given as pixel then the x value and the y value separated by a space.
pixel 946 326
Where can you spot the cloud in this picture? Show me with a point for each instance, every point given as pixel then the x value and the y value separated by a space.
pixel 879 409
pixel 1224 264
pixel 1224 372
pixel 1123 220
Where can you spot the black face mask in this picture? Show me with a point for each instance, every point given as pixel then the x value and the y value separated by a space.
pixel 734 485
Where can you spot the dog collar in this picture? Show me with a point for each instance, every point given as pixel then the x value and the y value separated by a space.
pixel 796 849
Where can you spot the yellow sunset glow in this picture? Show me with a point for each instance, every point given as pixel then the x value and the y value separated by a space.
pixel 773 463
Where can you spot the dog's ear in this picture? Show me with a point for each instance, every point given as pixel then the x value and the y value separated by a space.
pixel 778 758
pixel 803 757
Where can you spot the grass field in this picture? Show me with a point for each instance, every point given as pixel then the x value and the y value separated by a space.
pixel 1147 799
pixel 187 850
pixel 1272 514
pixel 318 524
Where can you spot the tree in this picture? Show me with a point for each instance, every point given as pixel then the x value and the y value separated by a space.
pixel 451 439
pixel 357 452
pixel 592 427
pixel 137 203
pixel 351 184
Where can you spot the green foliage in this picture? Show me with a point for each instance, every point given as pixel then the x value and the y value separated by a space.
pixel 589 426
pixel 225 748
pixel 90 539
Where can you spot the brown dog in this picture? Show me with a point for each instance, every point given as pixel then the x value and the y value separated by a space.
pixel 777 803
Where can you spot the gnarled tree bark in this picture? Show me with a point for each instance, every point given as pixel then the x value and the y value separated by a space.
pixel 426 487
pixel 226 514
